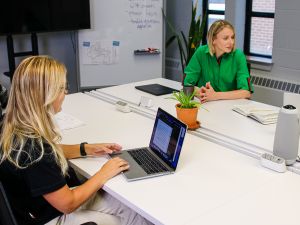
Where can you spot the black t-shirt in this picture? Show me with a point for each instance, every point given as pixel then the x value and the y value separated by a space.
pixel 25 187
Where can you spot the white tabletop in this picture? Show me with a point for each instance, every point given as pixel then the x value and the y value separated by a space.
pixel 219 123
pixel 276 203
pixel 209 176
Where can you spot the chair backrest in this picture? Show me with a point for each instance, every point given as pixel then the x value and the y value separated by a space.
pixel 249 67
pixel 292 99
pixel 6 214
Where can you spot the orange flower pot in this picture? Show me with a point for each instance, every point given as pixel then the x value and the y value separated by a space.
pixel 188 116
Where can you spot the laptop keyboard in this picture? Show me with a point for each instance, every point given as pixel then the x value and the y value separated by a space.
pixel 147 161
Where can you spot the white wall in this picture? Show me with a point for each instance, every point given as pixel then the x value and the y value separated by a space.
pixel 286 49
pixel 286 45
pixel 235 14
pixel 57 45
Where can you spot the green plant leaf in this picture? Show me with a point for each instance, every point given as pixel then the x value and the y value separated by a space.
pixel 169 24
pixel 185 101
pixel 170 40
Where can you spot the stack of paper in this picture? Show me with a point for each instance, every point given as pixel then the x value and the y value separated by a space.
pixel 260 113
pixel 66 121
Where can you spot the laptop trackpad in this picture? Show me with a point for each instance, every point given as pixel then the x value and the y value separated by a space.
pixel 135 171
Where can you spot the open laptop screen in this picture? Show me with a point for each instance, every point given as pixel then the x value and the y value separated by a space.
pixel 167 137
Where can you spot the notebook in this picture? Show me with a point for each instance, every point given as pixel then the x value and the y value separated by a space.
pixel 162 155
pixel 156 89
pixel 262 114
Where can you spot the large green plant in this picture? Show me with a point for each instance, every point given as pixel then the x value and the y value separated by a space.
pixel 188 45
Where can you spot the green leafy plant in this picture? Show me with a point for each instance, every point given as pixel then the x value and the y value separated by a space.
pixel 185 101
pixel 188 45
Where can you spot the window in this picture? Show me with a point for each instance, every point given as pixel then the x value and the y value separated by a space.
pixel 259 28
pixel 215 11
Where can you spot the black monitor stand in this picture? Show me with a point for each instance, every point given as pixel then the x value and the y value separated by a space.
pixel 12 54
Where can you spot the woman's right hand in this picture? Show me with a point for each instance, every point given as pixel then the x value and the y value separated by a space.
pixel 66 200
pixel 113 167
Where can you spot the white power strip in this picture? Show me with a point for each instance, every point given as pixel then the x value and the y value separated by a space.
pixel 273 162
pixel 122 106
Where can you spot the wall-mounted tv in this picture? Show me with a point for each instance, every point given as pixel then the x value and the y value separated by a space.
pixel 35 16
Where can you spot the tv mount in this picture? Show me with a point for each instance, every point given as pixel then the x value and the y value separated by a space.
pixel 12 54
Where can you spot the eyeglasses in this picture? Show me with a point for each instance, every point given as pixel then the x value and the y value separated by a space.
pixel 65 88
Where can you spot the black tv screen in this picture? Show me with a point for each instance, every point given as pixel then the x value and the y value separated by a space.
pixel 34 16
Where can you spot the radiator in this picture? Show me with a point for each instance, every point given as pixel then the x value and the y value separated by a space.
pixel 270 91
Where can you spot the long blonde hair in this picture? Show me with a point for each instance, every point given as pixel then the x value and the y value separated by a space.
pixel 216 28
pixel 36 84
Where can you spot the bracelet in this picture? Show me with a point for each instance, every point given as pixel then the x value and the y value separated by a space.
pixel 82 149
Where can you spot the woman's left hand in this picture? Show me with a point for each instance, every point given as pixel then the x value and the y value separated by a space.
pixel 101 148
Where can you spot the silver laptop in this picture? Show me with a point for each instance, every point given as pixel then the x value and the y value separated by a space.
pixel 162 155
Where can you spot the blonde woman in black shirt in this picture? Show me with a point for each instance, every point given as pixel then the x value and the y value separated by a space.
pixel 33 166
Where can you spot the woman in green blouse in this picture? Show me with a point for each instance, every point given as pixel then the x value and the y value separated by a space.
pixel 219 69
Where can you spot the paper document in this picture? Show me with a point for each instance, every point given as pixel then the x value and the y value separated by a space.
pixel 260 113
pixel 66 121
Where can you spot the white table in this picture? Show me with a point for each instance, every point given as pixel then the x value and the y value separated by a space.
pixel 219 124
pixel 209 177
pixel 276 203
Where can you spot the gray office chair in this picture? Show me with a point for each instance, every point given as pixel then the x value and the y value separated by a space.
pixel 6 214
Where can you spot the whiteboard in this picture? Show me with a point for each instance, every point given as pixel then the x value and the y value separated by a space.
pixel 106 52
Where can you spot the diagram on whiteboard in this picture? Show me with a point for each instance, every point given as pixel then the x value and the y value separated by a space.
pixel 100 52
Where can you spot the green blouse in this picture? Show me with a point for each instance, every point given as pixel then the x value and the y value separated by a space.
pixel 231 74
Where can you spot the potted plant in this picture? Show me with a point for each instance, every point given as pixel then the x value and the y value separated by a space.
pixel 187 108
pixel 188 44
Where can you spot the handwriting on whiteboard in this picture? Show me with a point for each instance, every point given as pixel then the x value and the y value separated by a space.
pixel 144 14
